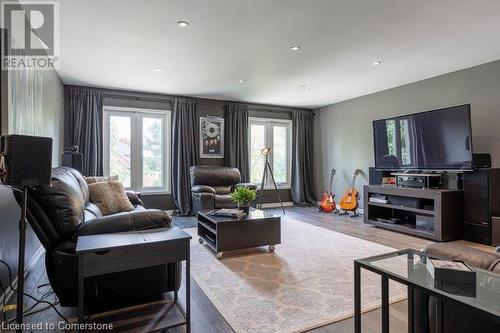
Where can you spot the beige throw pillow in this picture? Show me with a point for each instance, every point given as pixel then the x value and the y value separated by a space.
pixel 110 197
pixel 92 180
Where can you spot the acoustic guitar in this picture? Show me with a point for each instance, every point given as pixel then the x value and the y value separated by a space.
pixel 349 202
pixel 327 203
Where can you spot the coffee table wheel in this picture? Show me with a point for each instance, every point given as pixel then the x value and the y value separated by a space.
pixel 219 255
pixel 271 248
pixel 201 240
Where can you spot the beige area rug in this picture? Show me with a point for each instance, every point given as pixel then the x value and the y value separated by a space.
pixel 307 283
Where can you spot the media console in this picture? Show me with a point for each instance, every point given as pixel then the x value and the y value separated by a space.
pixel 435 214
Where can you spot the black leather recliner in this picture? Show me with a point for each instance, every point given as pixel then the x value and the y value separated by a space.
pixel 211 187
pixel 60 213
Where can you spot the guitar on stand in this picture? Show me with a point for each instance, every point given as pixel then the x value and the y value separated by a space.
pixel 327 203
pixel 350 200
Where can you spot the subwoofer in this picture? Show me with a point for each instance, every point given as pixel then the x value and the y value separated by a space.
pixel 26 160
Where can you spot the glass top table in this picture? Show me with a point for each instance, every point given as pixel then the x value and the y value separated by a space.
pixel 409 268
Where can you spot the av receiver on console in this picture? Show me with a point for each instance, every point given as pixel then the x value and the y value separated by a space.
pixel 418 180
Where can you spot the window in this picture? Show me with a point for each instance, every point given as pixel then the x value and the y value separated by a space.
pixel 137 147
pixel 398 139
pixel 276 134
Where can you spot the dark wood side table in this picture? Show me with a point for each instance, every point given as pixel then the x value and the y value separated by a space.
pixel 118 252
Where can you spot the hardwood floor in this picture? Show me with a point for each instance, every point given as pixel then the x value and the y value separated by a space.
pixel 206 318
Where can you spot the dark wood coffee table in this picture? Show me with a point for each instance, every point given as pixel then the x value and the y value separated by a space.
pixel 258 228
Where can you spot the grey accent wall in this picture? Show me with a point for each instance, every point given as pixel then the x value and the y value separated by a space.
pixel 206 107
pixel 345 129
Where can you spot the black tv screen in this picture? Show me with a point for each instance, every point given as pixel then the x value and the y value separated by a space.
pixel 439 139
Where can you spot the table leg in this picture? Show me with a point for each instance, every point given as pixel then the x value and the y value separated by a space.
pixel 410 310
pixel 178 282
pixel 385 304
pixel 410 271
pixel 439 315
pixel 188 290
pixel 81 290
pixel 357 298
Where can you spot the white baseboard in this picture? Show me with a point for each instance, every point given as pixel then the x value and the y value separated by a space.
pixel 27 270
pixel 277 204
pixel 361 211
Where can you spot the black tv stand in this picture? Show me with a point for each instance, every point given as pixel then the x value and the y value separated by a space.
pixel 435 214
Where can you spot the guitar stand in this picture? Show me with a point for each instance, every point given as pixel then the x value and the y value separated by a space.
pixel 346 212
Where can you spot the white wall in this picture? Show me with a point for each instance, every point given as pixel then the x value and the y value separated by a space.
pixel 53 112
pixel 52 122
pixel 343 131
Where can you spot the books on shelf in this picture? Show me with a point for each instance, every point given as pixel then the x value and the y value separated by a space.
pixel 453 277
pixel 378 198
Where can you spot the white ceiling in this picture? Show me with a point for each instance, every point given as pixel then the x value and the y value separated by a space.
pixel 118 43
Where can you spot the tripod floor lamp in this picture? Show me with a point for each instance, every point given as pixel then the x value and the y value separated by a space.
pixel 265 176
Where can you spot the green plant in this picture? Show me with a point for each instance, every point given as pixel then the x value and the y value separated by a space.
pixel 242 195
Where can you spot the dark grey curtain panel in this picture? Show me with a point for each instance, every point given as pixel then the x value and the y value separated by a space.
pixel 302 148
pixel 83 122
pixel 184 152
pixel 236 133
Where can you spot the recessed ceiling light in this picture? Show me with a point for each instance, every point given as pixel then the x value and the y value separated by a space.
pixel 159 70
pixel 183 24
pixel 295 47
pixel 308 89
pixel 240 81
pixel 376 63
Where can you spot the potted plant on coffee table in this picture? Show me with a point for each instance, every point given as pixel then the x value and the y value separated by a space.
pixel 243 196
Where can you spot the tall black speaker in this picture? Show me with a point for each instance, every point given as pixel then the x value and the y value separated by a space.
pixel 481 203
pixel 26 161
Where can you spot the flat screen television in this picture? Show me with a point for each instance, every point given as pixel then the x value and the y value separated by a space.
pixel 433 140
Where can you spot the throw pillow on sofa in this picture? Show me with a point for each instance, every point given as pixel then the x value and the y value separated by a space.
pixel 100 179
pixel 110 197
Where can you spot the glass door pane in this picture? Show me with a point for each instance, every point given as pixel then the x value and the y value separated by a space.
pixel 280 154
pixel 120 148
pixel 257 143
pixel 152 152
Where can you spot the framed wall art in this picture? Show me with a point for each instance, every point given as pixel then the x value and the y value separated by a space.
pixel 211 137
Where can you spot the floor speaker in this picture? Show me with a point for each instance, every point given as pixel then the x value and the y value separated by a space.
pixel 72 160
pixel 27 160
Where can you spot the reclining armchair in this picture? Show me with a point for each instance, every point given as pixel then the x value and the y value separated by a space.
pixel 60 213
pixel 211 187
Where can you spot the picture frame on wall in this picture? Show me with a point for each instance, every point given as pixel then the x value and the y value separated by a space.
pixel 211 137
